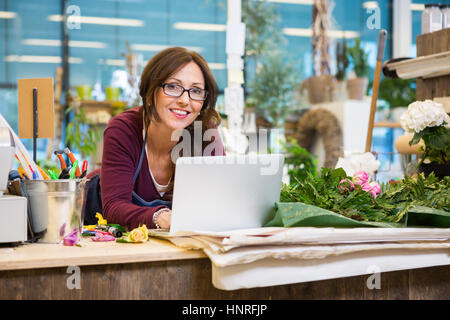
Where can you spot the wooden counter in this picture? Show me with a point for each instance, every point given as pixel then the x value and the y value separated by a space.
pixel 44 255
pixel 159 270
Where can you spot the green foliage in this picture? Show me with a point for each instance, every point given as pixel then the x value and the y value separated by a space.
pixel 390 206
pixel 82 134
pixel 360 59
pixel 300 161
pixel 47 164
pixel 342 60
pixel 437 143
pixel 263 33
pixel 273 89
pixel 270 74
pixel 397 92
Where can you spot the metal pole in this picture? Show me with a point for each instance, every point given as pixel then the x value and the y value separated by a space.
pixel 35 122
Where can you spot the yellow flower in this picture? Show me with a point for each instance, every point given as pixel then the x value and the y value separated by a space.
pixel 101 221
pixel 139 234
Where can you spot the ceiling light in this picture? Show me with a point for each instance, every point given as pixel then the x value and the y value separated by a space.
pixel 370 5
pixel 7 15
pixel 217 66
pixel 306 2
pixel 98 20
pixel 199 26
pixel 113 62
pixel 40 59
pixel 302 32
pixel 297 32
pixel 57 43
pixel 159 47
pixel 417 7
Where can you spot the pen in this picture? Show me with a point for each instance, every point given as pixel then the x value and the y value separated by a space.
pixel 45 175
pixel 73 160
pixel 73 170
pixel 33 173
pixel 52 174
pixel 64 173
pixel 22 173
pixel 111 230
pixel 85 164
pixel 29 174
pixel 62 162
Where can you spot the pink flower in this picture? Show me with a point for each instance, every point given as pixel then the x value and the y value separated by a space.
pixel 71 239
pixel 360 178
pixel 345 183
pixel 102 237
pixel 373 188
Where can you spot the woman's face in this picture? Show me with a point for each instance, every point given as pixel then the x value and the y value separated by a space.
pixel 180 112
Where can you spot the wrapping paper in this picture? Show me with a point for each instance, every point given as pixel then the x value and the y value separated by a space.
pixel 277 236
pixel 299 214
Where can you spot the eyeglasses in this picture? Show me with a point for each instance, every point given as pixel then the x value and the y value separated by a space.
pixel 175 90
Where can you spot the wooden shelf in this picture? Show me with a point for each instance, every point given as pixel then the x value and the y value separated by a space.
pixel 94 105
pixel 425 67
pixel 387 124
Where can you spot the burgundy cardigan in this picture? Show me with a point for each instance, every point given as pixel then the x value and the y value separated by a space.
pixel 122 146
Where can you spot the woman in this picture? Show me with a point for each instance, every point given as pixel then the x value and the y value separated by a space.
pixel 137 173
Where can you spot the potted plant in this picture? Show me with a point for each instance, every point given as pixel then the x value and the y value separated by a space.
pixel 319 87
pixel 429 123
pixel 299 161
pixel 342 62
pixel 271 76
pixel 81 132
pixel 398 93
pixel 357 87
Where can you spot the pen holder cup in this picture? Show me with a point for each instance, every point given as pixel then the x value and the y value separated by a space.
pixel 57 207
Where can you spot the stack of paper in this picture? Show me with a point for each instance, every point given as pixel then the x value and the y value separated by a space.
pixel 274 256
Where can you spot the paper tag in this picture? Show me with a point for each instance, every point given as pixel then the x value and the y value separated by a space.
pixel 45 108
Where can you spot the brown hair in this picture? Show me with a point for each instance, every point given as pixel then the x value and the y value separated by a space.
pixel 161 67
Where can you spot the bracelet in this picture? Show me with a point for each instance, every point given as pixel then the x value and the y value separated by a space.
pixel 156 215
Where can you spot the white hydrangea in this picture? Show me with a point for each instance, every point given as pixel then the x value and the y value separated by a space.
pixel 422 114
pixel 359 162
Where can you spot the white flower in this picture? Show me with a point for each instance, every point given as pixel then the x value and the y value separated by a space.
pixel 422 114
pixel 359 162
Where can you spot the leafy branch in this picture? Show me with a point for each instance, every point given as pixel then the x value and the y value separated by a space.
pixel 437 142
pixel 299 161
pixel 82 133
pixel 359 59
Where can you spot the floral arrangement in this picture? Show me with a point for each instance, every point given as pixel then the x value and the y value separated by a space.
pixel 429 122
pixel 358 198
pixel 359 162
pixel 361 179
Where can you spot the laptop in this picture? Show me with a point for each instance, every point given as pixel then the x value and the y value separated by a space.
pixel 223 193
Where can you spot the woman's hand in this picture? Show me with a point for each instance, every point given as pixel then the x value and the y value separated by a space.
pixel 164 219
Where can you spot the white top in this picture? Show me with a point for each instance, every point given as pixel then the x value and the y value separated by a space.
pixel 159 187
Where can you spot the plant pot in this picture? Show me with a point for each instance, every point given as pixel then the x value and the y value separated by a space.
pixel 440 170
pixel 318 88
pixel 357 88
pixel 339 92
pixel 84 92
